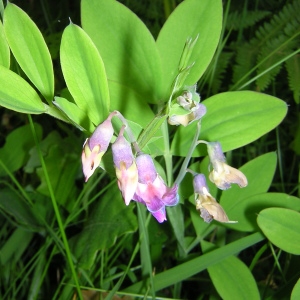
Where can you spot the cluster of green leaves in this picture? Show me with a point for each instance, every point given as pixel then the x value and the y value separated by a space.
pixel 114 63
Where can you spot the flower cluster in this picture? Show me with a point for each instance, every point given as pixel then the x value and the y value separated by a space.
pixel 137 177
pixel 222 176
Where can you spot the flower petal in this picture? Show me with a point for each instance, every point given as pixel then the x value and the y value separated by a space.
pixel 160 215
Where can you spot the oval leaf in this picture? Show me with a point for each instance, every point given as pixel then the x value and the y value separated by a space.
pixel 127 47
pixel 75 114
pixel 246 209
pixel 257 182
pixel 4 49
pixel 231 278
pixel 282 227
pixel 189 19
pixel 29 48
pixel 296 291
pixel 23 99
pixel 84 73
pixel 234 119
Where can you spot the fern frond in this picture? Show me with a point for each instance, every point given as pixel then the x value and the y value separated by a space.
pixel 237 20
pixel 293 68
pixel 282 29
pixel 220 71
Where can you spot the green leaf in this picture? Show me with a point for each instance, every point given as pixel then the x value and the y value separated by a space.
pixel 246 209
pixel 257 182
pixel 12 204
pixel 63 163
pixel 110 219
pixel 16 148
pixel 231 278
pixel 29 48
pixel 196 265
pixel 132 105
pixel 14 247
pixel 234 119
pixel 4 49
pixel 74 113
pixel 190 18
pixel 282 227
pixel 23 99
pixel 296 291
pixel 128 49
pixel 84 73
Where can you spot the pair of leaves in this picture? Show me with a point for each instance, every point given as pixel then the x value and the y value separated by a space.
pixel 139 63
pixel 82 66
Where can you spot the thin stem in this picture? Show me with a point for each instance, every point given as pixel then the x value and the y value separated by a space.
pixel 186 161
pixel 167 152
pixel 128 130
pixel 56 209
pixel 15 181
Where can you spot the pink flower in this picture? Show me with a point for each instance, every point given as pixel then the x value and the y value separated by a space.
pixel 125 165
pixel 151 189
pixel 95 146
pixel 209 208
pixel 222 174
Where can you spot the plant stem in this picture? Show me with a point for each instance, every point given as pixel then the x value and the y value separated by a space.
pixel 186 161
pixel 56 210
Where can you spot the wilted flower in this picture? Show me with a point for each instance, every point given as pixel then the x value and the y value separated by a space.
pixel 125 165
pixel 222 174
pixel 209 208
pixel 95 146
pixel 151 189
pixel 188 109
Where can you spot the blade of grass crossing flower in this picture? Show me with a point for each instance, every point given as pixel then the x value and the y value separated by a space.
pixel 194 266
pixel 30 50
pixel 56 210
pixel 150 130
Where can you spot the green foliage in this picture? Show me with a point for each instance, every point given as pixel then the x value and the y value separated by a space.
pixel 225 121
pixel 84 73
pixel 83 235
pixel 29 48
pixel 274 40
pixel 281 227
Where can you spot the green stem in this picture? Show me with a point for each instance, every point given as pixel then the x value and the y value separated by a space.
pixel 186 161
pixel 15 181
pixel 167 152
pixel 56 210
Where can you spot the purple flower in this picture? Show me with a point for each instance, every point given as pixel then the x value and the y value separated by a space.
pixel 209 208
pixel 95 146
pixel 125 165
pixel 151 189
pixel 222 174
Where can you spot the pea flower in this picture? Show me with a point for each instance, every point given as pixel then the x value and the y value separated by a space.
pixel 151 189
pixel 209 208
pixel 126 169
pixel 222 174
pixel 187 109
pixel 95 146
